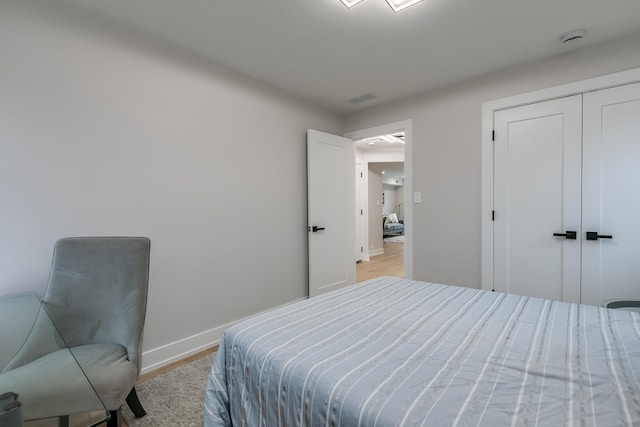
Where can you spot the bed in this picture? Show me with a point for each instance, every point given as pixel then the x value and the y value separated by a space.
pixel 396 352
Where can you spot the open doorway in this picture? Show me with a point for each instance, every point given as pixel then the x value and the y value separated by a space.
pixel 385 222
pixel 383 158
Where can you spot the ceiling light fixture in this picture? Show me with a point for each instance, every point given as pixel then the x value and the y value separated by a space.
pixel 396 5
pixel 350 3
pixel 391 138
pixel 383 138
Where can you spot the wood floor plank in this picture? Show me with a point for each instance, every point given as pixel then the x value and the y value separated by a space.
pixel 391 263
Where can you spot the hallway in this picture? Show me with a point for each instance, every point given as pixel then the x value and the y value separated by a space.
pixel 391 263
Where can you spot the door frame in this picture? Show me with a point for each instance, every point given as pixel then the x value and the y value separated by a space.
pixel 488 110
pixel 360 230
pixel 407 127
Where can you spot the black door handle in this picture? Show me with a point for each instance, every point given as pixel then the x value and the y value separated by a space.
pixel 315 228
pixel 569 235
pixel 593 235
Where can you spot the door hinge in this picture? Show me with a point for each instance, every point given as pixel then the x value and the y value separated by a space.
pixel 361 176
pixel 361 249
pixel 361 212
pixel 493 215
pixel 493 135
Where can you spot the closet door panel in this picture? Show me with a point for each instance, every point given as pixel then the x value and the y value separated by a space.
pixel 537 190
pixel 611 194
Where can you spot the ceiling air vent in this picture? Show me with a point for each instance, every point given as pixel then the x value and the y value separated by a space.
pixel 362 98
pixel 572 36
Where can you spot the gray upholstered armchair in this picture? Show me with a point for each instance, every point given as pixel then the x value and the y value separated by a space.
pixel 96 297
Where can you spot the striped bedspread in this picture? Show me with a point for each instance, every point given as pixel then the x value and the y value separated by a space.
pixel 395 352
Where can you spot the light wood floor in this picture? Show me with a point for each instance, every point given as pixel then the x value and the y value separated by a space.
pixel 391 263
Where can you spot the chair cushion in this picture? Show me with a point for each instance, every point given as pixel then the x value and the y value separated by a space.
pixel 52 385
pixel 110 371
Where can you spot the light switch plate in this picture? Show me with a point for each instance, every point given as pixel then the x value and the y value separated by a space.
pixel 417 197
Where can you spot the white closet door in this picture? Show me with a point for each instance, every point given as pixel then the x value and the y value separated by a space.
pixel 537 189
pixel 611 194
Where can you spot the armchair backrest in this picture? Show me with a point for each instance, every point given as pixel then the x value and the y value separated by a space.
pixel 97 291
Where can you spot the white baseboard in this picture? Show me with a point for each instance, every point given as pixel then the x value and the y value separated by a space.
pixel 169 353
pixel 377 251
pixel 161 356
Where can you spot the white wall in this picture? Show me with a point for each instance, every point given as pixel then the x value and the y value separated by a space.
pixel 389 199
pixel 106 132
pixel 393 199
pixel 446 152
pixel 399 194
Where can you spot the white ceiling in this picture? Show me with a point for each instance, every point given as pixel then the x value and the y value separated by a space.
pixel 390 142
pixel 323 52
pixel 391 172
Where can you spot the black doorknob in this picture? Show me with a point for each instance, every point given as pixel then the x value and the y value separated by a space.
pixel 593 235
pixel 569 235
pixel 315 228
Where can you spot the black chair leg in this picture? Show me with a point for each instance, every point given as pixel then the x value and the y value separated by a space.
pixel 63 421
pixel 135 405
pixel 115 418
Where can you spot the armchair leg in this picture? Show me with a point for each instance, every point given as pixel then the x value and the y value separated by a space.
pixel 115 419
pixel 63 421
pixel 135 405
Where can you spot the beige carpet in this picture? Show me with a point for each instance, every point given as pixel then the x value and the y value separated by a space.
pixel 175 398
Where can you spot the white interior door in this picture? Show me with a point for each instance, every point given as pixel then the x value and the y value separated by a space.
pixel 331 211
pixel 611 198
pixel 537 189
